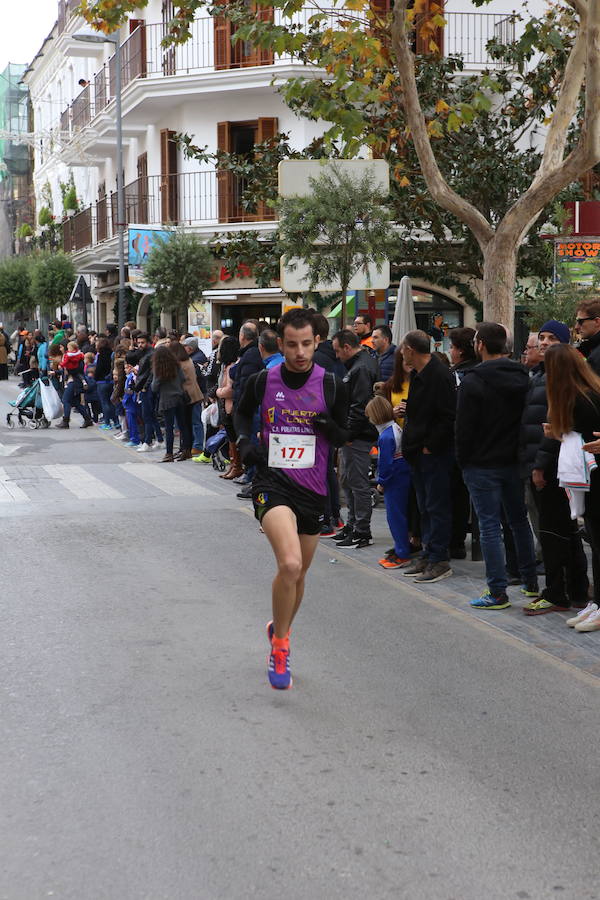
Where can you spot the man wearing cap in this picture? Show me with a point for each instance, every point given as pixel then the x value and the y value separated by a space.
pixel 199 359
pixel 564 559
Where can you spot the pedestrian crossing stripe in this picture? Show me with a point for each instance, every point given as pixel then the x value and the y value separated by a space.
pixel 9 491
pixel 82 484
pixel 160 477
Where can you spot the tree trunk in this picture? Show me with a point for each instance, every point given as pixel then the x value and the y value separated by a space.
pixel 499 278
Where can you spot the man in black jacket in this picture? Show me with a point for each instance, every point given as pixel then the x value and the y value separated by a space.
pixel 143 386
pixel 361 375
pixel 491 399
pixel 250 360
pixel 385 350
pixel 588 323
pixel 427 441
pixel 565 563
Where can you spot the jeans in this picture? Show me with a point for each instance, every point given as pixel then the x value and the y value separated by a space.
pixel 197 426
pixel 72 400
pixel 357 487
pixel 105 390
pixel 431 478
pixel 151 426
pixel 170 415
pixel 492 490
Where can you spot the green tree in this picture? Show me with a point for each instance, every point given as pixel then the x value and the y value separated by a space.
pixel 52 279
pixel 338 230
pixel 178 270
pixel 15 284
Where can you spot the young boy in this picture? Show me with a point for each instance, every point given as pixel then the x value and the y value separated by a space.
pixel 92 398
pixel 130 399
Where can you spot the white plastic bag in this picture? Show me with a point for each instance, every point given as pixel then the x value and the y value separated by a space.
pixel 51 404
pixel 213 415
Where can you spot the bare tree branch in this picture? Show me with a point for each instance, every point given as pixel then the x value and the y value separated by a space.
pixel 566 104
pixel 440 191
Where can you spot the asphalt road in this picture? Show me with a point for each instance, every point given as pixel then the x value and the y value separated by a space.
pixel 421 754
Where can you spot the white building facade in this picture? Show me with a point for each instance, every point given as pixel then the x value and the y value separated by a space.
pixel 222 95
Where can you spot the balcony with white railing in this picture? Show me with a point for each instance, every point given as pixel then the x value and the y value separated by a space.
pixel 209 50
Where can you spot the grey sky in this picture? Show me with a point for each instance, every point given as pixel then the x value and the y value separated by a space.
pixel 23 27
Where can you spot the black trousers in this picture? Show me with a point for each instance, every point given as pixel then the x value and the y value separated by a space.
pixel 461 508
pixel 565 562
pixel 592 526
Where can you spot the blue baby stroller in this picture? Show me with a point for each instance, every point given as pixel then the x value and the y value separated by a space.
pixel 215 445
pixel 28 408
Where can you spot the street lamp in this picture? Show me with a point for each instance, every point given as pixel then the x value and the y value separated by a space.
pixel 115 39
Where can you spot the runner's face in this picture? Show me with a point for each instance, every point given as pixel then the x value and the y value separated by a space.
pixel 298 347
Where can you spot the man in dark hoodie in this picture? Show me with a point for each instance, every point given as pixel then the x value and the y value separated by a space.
pixel 490 405
pixel 361 375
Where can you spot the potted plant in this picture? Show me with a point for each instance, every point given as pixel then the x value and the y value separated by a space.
pixel 44 218
pixel 70 204
pixel 25 232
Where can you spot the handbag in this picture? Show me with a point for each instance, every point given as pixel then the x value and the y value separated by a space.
pixel 51 403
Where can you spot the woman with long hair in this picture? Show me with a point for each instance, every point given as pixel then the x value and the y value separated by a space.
pixel 395 389
pixel 573 390
pixel 167 384
pixel 229 350
pixel 193 396
pixel 104 380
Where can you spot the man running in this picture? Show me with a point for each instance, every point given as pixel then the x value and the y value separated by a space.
pixel 302 412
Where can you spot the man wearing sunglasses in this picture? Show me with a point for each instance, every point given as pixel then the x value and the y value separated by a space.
pixel 588 324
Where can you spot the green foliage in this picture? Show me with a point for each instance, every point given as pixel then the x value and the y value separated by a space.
pixel 45 216
pixel 250 250
pixel 553 301
pixel 24 230
pixel 338 230
pixel 46 194
pixel 15 283
pixel 179 269
pixel 52 279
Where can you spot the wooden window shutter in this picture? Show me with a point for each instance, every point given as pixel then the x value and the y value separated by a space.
pixel 264 54
pixel 224 178
pixel 424 36
pixel 222 42
pixel 168 176
pixel 267 128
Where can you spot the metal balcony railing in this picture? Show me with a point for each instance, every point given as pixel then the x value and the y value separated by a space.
pixel 468 34
pixel 81 110
pixel 189 198
pixel 77 231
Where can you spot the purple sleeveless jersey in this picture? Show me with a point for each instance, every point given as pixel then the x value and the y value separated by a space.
pixel 287 411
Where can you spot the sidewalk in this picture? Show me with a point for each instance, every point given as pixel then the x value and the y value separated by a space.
pixel 548 633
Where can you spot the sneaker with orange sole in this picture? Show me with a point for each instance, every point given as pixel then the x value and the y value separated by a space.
pixel 280 677
pixel 392 561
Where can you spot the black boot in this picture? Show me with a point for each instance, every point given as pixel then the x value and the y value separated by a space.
pixel 87 423
pixel 63 424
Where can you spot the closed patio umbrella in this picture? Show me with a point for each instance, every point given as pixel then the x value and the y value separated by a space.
pixel 404 315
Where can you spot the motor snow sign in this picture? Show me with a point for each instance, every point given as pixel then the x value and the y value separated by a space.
pixel 578 262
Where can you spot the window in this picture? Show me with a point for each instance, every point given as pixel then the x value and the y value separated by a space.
pixel 242 53
pixel 240 138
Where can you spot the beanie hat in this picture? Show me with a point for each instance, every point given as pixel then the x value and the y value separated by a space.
pixel 558 329
pixel 191 342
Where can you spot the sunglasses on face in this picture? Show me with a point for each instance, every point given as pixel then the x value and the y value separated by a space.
pixel 586 319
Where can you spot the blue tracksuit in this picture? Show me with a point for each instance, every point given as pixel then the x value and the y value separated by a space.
pixel 130 407
pixel 394 474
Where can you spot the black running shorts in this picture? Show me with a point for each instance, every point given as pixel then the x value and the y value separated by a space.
pixel 309 510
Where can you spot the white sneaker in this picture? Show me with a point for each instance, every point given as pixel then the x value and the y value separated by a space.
pixel 582 614
pixel 120 437
pixel 590 623
pixel 158 445
pixel 144 448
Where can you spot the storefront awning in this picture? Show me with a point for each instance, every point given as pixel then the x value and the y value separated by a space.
pixel 337 310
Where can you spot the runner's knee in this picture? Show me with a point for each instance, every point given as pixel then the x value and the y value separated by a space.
pixel 290 569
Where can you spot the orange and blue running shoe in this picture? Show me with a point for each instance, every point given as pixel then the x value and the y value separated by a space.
pixel 280 676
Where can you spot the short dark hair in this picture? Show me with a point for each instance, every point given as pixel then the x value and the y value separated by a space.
pixel 132 357
pixel 492 336
pixel 296 318
pixel 385 330
pixel 268 341
pixel 462 339
pixel 161 332
pixel 367 320
pixel 111 329
pixel 591 307
pixel 143 335
pixel 320 326
pixel 418 341
pixel 346 338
